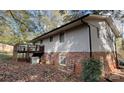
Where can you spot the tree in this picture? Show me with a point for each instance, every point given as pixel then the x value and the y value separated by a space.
pixel 24 25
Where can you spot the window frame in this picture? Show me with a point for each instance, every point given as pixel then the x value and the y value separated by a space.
pixel 41 41
pixel 98 33
pixel 51 38
pixel 62 58
pixel 62 37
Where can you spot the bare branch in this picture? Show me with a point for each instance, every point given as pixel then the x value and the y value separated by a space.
pixel 16 19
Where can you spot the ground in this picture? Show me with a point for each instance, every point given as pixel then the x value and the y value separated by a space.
pixel 26 72
pixel 11 71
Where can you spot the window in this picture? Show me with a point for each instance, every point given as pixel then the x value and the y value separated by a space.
pixel 62 60
pixel 33 43
pixel 41 41
pixel 61 37
pixel 51 39
pixel 98 33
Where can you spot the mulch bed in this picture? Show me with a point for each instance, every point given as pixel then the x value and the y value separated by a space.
pixel 26 72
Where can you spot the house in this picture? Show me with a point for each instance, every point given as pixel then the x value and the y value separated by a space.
pixel 90 36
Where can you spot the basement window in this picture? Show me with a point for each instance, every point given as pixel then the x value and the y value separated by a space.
pixel 62 60
pixel 61 37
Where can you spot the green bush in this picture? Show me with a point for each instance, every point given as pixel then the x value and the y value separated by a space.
pixel 92 70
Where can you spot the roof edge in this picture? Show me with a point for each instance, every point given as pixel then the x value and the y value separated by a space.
pixel 33 40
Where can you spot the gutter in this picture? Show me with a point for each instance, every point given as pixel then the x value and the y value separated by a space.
pixel 90 41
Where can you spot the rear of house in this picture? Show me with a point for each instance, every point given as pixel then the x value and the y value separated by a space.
pixel 90 36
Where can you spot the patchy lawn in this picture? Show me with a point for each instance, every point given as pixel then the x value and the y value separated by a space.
pixel 26 72
pixel 4 57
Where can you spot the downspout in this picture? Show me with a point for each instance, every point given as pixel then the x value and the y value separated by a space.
pixel 90 40
pixel 117 65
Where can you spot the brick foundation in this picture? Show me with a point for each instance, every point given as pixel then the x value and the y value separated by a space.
pixel 108 59
pixel 73 61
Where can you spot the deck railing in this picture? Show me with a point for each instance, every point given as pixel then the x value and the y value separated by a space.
pixel 29 48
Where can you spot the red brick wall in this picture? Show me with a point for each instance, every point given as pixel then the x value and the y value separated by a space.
pixel 109 61
pixel 73 60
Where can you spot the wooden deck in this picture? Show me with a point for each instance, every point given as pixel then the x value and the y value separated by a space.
pixel 26 49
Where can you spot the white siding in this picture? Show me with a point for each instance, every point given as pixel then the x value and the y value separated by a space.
pixel 76 40
pixel 103 43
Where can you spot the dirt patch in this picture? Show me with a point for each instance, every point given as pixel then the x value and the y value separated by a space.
pixel 26 72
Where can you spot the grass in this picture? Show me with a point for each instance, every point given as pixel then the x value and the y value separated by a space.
pixel 5 57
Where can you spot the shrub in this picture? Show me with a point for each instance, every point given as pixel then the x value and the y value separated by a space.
pixel 92 70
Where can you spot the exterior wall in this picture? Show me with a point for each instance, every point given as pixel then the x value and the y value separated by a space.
pixel 103 44
pixel 76 47
pixel 74 59
pixel 102 37
pixel 76 40
pixel 109 61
